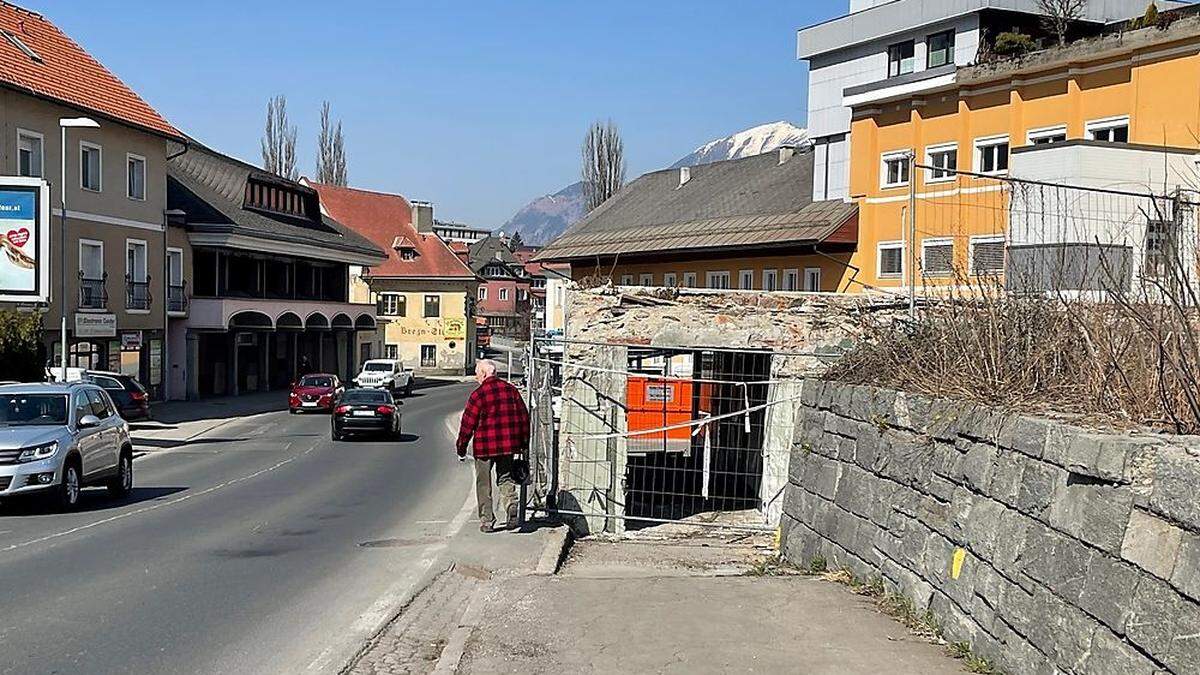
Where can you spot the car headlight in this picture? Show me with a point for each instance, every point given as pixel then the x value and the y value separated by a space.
pixel 38 452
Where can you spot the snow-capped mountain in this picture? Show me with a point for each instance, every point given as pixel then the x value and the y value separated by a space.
pixel 547 217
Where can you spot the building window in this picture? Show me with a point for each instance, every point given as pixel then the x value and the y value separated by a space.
pixel 91 274
pixel 937 257
pixel 135 177
pixel 670 280
pixel 1047 136
pixel 1160 248
pixel 894 172
pixel 901 58
pixel 746 280
pixel 90 166
pixel 717 279
pixel 429 356
pixel 392 304
pixel 689 279
pixel 1110 130
pixel 503 295
pixel 31 154
pixel 646 280
pixel 483 292
pixel 940 49
pixel 812 279
pixel 391 351
pixel 433 306
pixel 791 280
pixel 626 279
pixel 943 162
pixel 987 255
pixel 770 280
pixel 137 282
pixel 522 295
pixel 991 155
pixel 176 297
pixel 891 259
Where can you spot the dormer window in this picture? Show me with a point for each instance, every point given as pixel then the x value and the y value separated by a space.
pixel 276 198
pixel 405 248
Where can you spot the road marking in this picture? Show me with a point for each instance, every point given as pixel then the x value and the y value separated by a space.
pixel 154 507
pixel 383 611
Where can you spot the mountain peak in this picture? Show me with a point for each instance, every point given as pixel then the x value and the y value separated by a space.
pixel 547 217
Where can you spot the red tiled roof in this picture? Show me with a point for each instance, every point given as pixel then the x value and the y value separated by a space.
pixel 385 218
pixel 68 74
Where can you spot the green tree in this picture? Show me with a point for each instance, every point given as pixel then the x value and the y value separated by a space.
pixel 22 353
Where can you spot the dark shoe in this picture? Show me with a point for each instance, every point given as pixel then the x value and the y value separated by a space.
pixel 512 525
pixel 487 529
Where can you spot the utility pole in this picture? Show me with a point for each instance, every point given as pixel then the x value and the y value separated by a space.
pixel 64 124
pixel 912 236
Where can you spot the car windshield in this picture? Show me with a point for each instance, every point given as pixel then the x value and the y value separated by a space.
pixel 316 381
pixel 366 396
pixel 376 367
pixel 32 409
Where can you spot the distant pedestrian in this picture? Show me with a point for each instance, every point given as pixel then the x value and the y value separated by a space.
pixel 498 421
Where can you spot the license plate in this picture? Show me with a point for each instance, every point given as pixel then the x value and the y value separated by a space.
pixel 308 404
pixel 363 413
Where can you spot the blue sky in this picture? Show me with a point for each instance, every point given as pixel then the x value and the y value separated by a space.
pixel 477 106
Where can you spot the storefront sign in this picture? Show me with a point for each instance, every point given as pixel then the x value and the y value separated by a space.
pixel 131 341
pixel 454 329
pixel 95 325
pixel 24 240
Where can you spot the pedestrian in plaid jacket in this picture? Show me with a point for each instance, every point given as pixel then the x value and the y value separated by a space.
pixel 498 421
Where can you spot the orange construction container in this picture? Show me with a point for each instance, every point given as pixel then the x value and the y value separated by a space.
pixel 653 404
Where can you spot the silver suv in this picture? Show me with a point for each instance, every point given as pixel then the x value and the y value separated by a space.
pixel 56 439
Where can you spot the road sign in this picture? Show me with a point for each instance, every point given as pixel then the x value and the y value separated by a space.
pixel 25 239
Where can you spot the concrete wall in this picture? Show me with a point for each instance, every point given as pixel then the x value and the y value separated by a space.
pixel 1044 545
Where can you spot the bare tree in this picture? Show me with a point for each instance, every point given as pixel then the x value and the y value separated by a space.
pixel 603 163
pixel 1058 15
pixel 331 151
pixel 279 140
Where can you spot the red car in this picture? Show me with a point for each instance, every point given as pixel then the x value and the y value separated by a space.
pixel 316 392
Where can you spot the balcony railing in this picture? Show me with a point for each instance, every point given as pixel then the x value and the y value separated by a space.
pixel 92 294
pixel 177 301
pixel 137 294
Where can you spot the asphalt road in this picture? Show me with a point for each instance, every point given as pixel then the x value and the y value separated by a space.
pixel 262 548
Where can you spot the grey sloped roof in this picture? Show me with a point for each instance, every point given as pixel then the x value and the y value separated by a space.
pixel 211 187
pixel 755 201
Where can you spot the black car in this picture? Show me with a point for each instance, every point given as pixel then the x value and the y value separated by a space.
pixel 369 411
pixel 130 397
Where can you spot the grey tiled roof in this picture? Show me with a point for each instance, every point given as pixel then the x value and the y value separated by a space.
pixel 750 202
pixel 210 188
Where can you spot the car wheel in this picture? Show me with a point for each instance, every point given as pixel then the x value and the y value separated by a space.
pixel 408 388
pixel 122 484
pixel 292 411
pixel 66 495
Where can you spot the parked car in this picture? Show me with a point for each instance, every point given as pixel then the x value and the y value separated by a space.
pixel 371 411
pixel 387 374
pixel 133 403
pixel 316 392
pixel 56 439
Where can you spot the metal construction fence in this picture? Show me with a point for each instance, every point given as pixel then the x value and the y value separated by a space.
pixel 627 435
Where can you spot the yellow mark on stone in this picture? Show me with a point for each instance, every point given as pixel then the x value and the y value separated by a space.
pixel 778 537
pixel 960 554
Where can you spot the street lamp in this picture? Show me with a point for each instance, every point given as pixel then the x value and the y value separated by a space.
pixel 64 124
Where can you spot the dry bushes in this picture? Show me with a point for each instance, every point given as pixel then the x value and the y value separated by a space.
pixel 1118 362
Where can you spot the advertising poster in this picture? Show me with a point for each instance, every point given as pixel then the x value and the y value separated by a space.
pixel 25 240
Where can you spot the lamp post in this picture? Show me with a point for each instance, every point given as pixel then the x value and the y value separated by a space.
pixel 64 124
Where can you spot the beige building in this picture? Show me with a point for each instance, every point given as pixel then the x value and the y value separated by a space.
pixel 423 293
pixel 121 265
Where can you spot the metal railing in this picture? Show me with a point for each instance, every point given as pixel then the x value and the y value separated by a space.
pixel 92 292
pixel 177 300
pixel 137 293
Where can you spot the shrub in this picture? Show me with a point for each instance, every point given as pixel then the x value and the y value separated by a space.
pixel 22 354
pixel 1013 44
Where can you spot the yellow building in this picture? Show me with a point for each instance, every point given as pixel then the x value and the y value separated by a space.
pixel 1106 113
pixel 423 293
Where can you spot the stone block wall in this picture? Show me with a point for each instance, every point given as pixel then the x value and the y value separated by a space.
pixel 1047 547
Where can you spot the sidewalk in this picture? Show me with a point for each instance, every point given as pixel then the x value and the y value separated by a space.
pixel 177 422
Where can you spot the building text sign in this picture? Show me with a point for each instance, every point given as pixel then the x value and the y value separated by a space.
pixel 25 240
pixel 454 329
pixel 95 325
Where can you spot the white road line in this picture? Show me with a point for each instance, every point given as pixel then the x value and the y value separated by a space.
pixel 154 507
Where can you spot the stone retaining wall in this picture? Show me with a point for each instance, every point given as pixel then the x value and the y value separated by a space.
pixel 1041 544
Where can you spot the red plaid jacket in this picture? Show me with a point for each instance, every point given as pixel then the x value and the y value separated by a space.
pixel 496 417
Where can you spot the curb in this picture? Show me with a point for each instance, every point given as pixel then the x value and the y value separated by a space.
pixel 554 552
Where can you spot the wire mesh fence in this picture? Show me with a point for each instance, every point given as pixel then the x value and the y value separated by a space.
pixel 626 435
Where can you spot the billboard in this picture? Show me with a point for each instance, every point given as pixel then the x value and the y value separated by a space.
pixel 25 240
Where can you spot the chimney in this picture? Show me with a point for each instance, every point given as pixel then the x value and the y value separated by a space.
pixel 422 217
pixel 786 152
pixel 685 174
